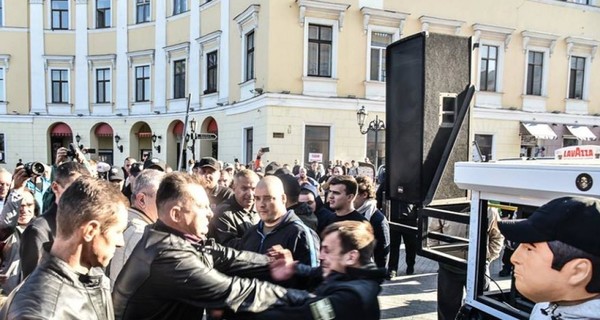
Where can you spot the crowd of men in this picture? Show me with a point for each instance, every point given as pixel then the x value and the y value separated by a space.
pixel 227 242
pixel 222 241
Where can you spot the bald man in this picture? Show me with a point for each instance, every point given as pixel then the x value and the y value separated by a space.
pixel 279 226
pixel 5 179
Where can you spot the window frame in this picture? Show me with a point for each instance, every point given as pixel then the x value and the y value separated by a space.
pixel 2 147
pixel 212 73
pixel 148 11
pixel 97 11
pixel 61 82
pixel 572 82
pixel 320 42
pixel 394 33
pixel 143 79
pixel 529 72
pixel 2 84
pixel 492 146
pixel 177 6
pixel 61 12
pixel 249 56
pixel 2 21
pixel 106 83
pixel 496 62
pixel 179 77
pixel 248 144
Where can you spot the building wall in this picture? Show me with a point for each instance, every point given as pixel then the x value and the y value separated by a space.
pixel 281 99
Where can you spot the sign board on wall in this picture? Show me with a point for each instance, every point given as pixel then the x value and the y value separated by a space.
pixel 315 157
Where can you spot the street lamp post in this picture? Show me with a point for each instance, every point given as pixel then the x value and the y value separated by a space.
pixel 375 126
pixel 192 136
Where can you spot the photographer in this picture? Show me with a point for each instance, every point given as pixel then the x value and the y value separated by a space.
pixel 19 209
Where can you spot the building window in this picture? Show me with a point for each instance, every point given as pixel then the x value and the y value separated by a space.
pixel 211 72
pixel 484 144
pixel 535 66
pixel 2 149
pixel 489 66
pixel 576 76
pixel 103 85
pixel 60 86
pixel 179 6
pixel 179 79
pixel 103 14
pixel 317 140
pixel 249 74
pixel 142 11
pixel 320 50
pixel 60 14
pixel 379 41
pixel 2 91
pixel 249 138
pixel 569 142
pixel 142 83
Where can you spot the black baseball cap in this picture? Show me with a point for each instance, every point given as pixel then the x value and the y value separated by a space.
pixel 271 168
pixel 209 162
pixel 572 220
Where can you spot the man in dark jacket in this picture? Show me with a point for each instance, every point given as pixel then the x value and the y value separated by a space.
pixel 310 196
pixel 43 228
pixel 279 226
pixel 237 214
pixel 346 284
pixel 69 282
pixel 174 272
pixel 291 187
pixel 209 170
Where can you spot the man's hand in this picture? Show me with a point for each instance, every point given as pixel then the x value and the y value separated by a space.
pixel 61 156
pixel 282 264
pixel 20 177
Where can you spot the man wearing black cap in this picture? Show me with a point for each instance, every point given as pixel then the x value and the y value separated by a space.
pixel 210 171
pixel 557 264
pixel 116 178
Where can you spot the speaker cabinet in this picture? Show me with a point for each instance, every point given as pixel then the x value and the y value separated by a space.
pixel 428 95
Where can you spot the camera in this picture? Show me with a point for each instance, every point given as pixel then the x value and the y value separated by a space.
pixel 73 151
pixel 35 168
pixel 265 149
pixel 236 160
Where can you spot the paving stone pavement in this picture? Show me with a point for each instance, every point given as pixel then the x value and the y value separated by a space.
pixel 414 296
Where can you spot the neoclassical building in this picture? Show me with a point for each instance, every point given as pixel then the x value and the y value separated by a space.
pixel 115 75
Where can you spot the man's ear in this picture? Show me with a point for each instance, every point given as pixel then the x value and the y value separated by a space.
pixel 140 198
pixel 284 198
pixel 90 230
pixel 351 258
pixel 579 272
pixel 175 214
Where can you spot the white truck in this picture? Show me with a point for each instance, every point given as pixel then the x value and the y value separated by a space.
pixel 519 186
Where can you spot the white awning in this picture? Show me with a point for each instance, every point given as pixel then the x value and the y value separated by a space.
pixel 582 133
pixel 540 130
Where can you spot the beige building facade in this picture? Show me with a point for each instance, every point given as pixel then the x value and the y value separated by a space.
pixel 287 74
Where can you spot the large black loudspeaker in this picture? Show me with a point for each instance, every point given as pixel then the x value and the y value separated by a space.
pixel 428 95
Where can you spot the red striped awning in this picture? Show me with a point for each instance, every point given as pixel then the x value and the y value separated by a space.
pixel 104 130
pixel 212 127
pixel 61 130
pixel 178 129
pixel 144 134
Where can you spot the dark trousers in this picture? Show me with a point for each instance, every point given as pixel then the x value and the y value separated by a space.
pixel 449 293
pixel 410 245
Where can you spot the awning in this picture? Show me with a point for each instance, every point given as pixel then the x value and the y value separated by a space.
pixel 144 134
pixel 540 130
pixel 582 133
pixel 61 130
pixel 212 127
pixel 104 130
pixel 178 129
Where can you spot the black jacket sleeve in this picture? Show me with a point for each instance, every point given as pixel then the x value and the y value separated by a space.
pixel 31 249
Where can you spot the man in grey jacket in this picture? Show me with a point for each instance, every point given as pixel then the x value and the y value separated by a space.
pixel 557 264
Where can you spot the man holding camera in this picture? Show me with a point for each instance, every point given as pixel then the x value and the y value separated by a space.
pixel 43 229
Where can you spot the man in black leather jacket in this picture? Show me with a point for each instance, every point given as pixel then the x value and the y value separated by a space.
pixel 346 284
pixel 69 282
pixel 174 272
